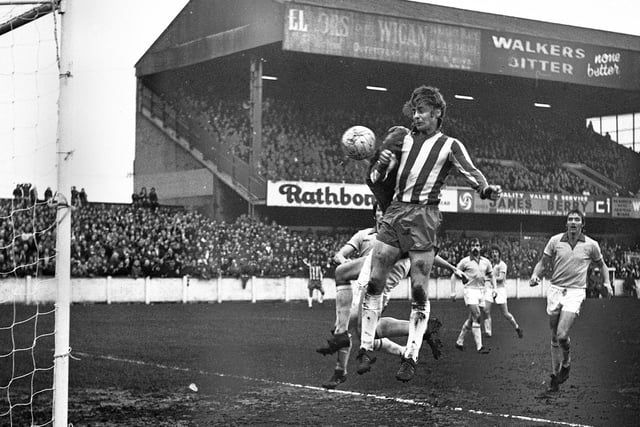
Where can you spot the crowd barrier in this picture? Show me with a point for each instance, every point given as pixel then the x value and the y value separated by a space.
pixel 109 290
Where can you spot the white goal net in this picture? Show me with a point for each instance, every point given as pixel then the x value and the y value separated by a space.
pixel 33 339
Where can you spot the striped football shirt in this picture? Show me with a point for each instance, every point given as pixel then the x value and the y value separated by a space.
pixel 426 162
pixel 315 272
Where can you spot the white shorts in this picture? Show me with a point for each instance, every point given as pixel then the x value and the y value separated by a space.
pixel 474 296
pixel 501 298
pixel 564 299
pixel 399 271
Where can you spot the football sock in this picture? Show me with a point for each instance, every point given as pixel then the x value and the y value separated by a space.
pixel 390 327
pixel 466 326
pixel 565 346
pixel 371 307
pixel 343 358
pixel 310 301
pixel 418 320
pixel 388 346
pixel 487 325
pixel 477 334
pixel 344 297
pixel 556 357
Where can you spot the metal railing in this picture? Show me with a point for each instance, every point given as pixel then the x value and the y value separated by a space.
pixel 190 127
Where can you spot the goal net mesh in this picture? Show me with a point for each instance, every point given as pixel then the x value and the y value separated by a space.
pixel 28 121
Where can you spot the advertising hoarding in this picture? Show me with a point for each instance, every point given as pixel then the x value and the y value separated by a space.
pixel 345 33
pixel 384 38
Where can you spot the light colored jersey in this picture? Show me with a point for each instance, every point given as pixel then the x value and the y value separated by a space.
pixel 500 273
pixel 477 270
pixel 570 265
pixel 363 241
pixel 425 163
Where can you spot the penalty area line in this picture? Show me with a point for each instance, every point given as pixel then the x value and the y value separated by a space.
pixel 342 392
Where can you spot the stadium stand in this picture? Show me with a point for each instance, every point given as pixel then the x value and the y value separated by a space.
pixel 522 152
pixel 136 241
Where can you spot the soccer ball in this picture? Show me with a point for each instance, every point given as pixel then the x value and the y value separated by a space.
pixel 358 142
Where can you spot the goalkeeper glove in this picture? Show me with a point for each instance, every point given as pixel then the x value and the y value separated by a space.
pixel 394 138
pixel 492 192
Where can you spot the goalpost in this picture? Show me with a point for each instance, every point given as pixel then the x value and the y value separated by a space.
pixel 15 408
pixel 63 219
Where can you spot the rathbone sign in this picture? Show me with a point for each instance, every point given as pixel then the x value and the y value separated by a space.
pixel 319 195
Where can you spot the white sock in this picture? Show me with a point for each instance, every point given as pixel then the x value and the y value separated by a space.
pixel 466 326
pixel 477 334
pixel 344 297
pixel 487 325
pixel 371 308
pixel 556 357
pixel 310 301
pixel 343 358
pixel 388 346
pixel 418 320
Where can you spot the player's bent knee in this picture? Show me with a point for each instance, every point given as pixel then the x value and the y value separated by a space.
pixel 375 287
pixel 418 295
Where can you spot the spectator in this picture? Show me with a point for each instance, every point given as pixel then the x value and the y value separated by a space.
pixel 75 199
pixel 629 286
pixel 153 198
pixel 83 197
pixel 48 194
pixel 143 198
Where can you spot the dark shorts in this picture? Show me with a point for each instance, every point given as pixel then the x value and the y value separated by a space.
pixel 315 284
pixel 410 227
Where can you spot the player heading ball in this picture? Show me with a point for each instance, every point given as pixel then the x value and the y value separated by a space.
pixel 407 176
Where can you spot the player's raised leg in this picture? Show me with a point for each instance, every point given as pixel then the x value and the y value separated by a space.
pixel 383 258
pixel 421 263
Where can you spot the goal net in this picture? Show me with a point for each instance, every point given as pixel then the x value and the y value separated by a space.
pixel 33 387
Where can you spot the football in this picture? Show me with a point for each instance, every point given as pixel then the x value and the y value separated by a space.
pixel 358 142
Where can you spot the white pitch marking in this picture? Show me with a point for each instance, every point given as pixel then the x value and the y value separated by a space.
pixel 344 392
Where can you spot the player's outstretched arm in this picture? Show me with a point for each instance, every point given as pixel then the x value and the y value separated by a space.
pixel 441 262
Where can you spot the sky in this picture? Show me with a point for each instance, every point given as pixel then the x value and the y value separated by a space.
pixel 110 38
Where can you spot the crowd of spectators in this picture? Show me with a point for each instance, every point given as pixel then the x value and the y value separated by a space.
pixel 520 151
pixel 139 241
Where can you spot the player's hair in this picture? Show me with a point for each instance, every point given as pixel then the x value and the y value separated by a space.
pixel 426 95
pixel 495 248
pixel 475 240
pixel 580 214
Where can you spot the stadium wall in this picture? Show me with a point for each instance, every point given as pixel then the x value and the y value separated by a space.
pixel 159 152
pixel 190 290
